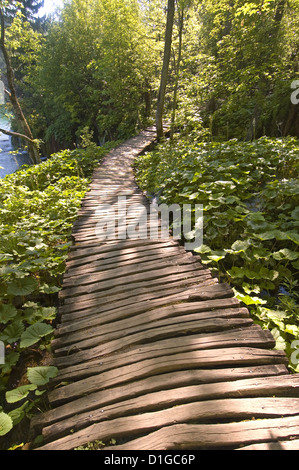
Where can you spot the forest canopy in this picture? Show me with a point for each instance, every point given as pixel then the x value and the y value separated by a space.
pixel 98 65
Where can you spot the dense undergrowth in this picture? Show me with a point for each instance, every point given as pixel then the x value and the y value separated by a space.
pixel 250 195
pixel 38 206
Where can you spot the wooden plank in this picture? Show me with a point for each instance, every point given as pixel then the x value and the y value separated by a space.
pixel 125 260
pixel 100 312
pixel 191 409
pixel 252 336
pixel 211 383
pixel 215 436
pixel 117 256
pixel 141 267
pixel 123 318
pixel 70 311
pixel 82 249
pixel 212 292
pixel 75 357
pixel 76 353
pixel 124 291
pixel 224 357
pixel 211 435
pixel 154 274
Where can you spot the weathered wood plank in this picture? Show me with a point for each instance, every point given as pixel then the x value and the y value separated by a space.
pixel 137 268
pixel 98 285
pixel 126 317
pixel 82 249
pixel 212 292
pixel 103 313
pixel 224 357
pixel 75 355
pixel 106 302
pixel 126 260
pixel 252 336
pixel 133 325
pixel 211 383
pixel 215 436
pixel 205 411
pixel 125 291
pixel 202 435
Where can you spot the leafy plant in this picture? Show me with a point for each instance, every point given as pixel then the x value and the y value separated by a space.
pixel 250 195
pixel 38 205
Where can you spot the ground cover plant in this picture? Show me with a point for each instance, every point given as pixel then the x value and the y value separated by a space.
pixel 38 206
pixel 250 195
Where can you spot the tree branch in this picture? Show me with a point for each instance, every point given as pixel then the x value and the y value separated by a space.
pixel 16 134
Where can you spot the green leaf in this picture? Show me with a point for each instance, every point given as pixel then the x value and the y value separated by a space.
pixel 7 312
pixel 23 286
pixel 240 245
pixel 236 272
pixel 19 393
pixel 10 360
pixel 270 234
pixel 285 253
pixel 19 413
pixel 203 249
pixel 279 339
pixel 248 300
pixel 34 333
pixel 5 257
pixel 292 330
pixel 13 332
pixel 277 317
pixel 6 424
pixel 217 255
pixel 293 236
pixel 296 265
pixel 41 375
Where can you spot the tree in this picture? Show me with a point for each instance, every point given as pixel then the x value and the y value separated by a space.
pixel 182 9
pixel 28 8
pixel 12 94
pixel 96 69
pixel 165 68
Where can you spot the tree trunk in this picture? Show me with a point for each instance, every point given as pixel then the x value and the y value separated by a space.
pixel 165 68
pixel 32 147
pixel 178 67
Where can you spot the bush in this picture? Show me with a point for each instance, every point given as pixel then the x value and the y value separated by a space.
pixel 38 206
pixel 250 195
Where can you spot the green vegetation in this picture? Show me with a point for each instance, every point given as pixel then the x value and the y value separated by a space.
pixel 250 197
pixel 38 206
pixel 96 70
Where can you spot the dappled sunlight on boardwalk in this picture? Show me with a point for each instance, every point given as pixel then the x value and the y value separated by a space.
pixel 152 351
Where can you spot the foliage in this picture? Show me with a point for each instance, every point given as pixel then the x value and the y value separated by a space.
pixel 95 69
pixel 38 206
pixel 250 195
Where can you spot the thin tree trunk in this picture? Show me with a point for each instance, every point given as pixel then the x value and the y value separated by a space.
pixel 27 134
pixel 165 68
pixel 176 85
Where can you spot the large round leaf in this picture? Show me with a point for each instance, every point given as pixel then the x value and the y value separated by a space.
pixel 5 424
pixel 34 333
pixel 19 393
pixel 23 286
pixel 41 375
pixel 7 312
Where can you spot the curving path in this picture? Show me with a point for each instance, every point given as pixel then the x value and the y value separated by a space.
pixel 153 353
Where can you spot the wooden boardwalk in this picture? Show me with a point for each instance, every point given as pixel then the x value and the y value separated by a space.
pixel 153 352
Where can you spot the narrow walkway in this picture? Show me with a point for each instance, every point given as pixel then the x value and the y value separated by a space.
pixel 152 352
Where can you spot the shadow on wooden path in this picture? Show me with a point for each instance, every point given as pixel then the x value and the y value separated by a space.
pixel 152 352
